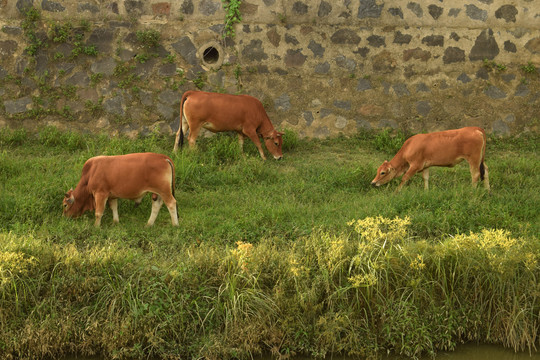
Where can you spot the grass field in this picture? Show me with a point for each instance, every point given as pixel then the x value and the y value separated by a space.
pixel 296 256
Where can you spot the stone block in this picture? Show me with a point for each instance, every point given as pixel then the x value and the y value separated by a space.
pixel 400 38
pixel 317 49
pixel 254 51
pixel 7 48
pixel 325 8
pixel 322 68
pixel 299 8
pixel 115 105
pixel 345 36
pixel 102 39
pixel 161 8
pixel 105 66
pixel 401 90
pixel 363 85
pixel 18 106
pixel 396 12
pixel 376 41
pixel 435 11
pixel 453 55
pixel 485 46
pixel 82 7
pixel 533 45
pixel 433 40
pixel 416 9
pixel 494 92
pixel 187 7
pixel 169 97
pixel 417 54
pixel 369 9
pixel 283 102
pixel 423 107
pixel 209 7
pixel 52 6
pixel 507 12
pixel 294 58
pixel 475 13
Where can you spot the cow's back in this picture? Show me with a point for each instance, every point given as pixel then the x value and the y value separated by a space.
pixel 444 147
pixel 125 175
pixel 224 111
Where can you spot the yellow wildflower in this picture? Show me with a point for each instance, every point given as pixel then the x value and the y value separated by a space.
pixel 418 263
pixel 363 280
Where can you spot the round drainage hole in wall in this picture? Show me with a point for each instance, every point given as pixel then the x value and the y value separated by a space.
pixel 210 55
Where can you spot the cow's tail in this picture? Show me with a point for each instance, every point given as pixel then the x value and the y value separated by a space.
pixel 482 166
pixel 173 176
pixel 184 98
pixel 173 180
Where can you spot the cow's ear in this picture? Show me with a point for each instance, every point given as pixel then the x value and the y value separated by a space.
pixel 279 133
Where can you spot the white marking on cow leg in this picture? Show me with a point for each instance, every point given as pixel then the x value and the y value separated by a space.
pixel 176 140
pixel 241 138
pixel 101 200
pixel 171 206
pixel 475 173
pixel 113 203
pixel 156 205
pixel 185 124
pixel 425 175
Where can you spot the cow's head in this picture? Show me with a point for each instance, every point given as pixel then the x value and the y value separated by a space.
pixel 273 142
pixel 67 204
pixel 76 207
pixel 385 173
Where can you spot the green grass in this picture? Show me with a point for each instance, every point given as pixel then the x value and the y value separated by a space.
pixel 264 259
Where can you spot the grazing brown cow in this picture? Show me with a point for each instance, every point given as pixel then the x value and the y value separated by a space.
pixel 443 148
pixel 223 112
pixel 127 177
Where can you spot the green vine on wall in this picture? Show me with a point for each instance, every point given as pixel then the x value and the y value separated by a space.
pixel 232 16
pixel 29 26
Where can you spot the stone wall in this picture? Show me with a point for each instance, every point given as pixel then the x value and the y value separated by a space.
pixel 320 67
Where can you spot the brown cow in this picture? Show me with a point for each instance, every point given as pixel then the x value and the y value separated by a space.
pixel 223 112
pixel 127 177
pixel 443 148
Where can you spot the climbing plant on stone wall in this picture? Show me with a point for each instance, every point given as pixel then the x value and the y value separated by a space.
pixel 232 16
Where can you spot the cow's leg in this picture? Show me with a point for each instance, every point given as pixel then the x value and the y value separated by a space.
pixel 425 176
pixel 474 168
pixel 177 139
pixel 255 138
pixel 486 178
pixel 193 134
pixel 101 200
pixel 156 205
pixel 138 201
pixel 113 203
pixel 170 202
pixel 241 138
pixel 409 174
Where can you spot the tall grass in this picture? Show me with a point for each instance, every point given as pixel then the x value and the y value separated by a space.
pixel 300 256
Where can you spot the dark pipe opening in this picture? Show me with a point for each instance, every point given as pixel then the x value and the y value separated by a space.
pixel 210 55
